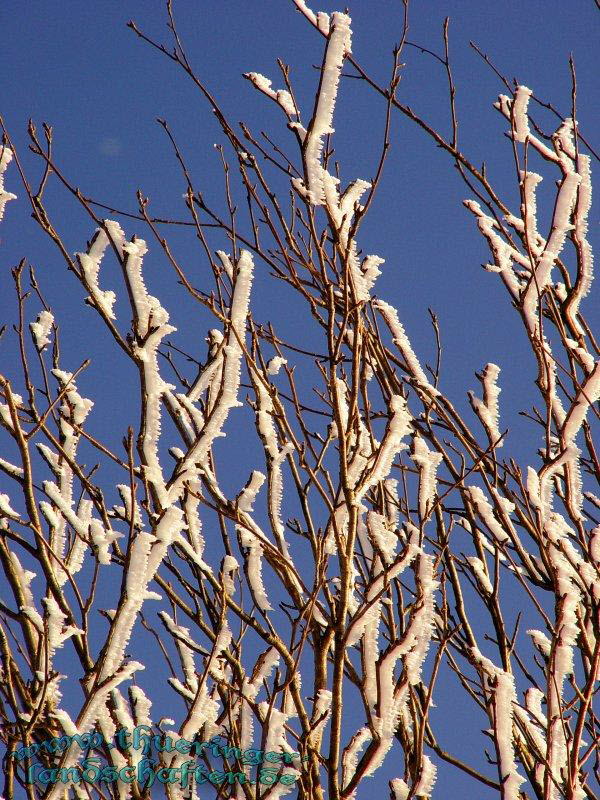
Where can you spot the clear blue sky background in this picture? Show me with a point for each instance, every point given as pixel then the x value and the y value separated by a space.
pixel 76 66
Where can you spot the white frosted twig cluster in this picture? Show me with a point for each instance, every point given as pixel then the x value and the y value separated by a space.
pixel 319 187
pixel 403 344
pixel 338 45
pixel 427 462
pixel 320 19
pixel 229 378
pixel 73 412
pixel 502 698
pixel 6 156
pixel 178 496
pixel 90 265
pixel 526 260
pixel 40 329
pixel 386 695
pixel 487 408
pixel 282 97
pixel 252 542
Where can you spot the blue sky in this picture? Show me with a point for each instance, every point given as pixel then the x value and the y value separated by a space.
pixel 76 66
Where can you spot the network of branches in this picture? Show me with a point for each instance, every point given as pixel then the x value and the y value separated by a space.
pixel 315 616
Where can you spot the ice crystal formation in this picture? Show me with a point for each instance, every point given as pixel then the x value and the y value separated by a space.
pixel 310 611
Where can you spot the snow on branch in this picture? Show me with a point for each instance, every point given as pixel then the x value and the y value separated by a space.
pixel 403 344
pixel 427 461
pixel 392 695
pixel 398 428
pixel 90 267
pixel 73 412
pixel 5 159
pixel 500 688
pixel 40 329
pixel 427 778
pixel 320 20
pixel 586 397
pixel 585 272
pixel 561 224
pixel 486 511
pixel 282 97
pixel 275 457
pixel 504 253
pixel 150 326
pixel 249 540
pixel 230 376
pixel 338 45
pixel 181 635
pixel 487 409
pixel 516 112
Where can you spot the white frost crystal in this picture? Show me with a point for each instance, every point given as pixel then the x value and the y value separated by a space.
pixel 5 159
pixel 41 328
